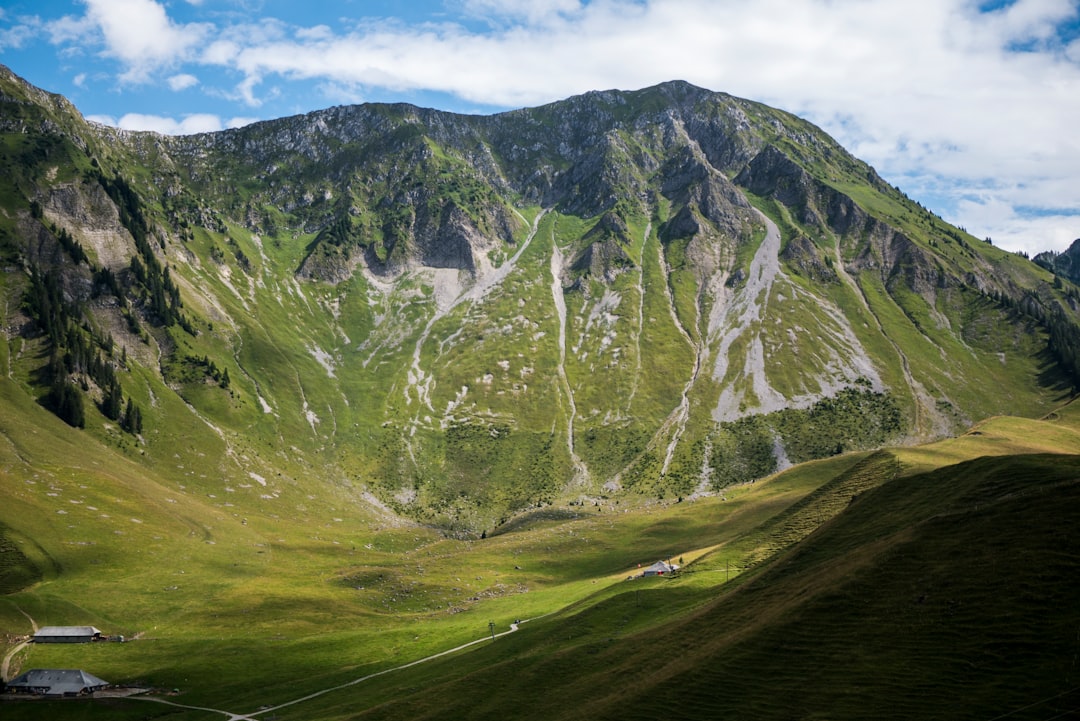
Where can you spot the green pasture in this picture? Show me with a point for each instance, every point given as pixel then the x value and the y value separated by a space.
pixel 237 608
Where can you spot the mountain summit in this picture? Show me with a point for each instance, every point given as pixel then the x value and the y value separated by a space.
pixel 457 318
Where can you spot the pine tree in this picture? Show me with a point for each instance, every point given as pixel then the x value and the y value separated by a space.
pixel 136 420
pixel 125 422
pixel 111 404
pixel 66 401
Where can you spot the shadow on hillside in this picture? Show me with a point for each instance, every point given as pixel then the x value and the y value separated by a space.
pixel 1053 376
pixel 525 520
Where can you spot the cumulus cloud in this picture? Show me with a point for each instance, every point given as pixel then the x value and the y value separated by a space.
pixel 1007 228
pixel 187 125
pixel 140 34
pixel 190 124
pixel 183 81
pixel 22 31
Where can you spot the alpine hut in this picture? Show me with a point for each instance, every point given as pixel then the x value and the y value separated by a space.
pixel 660 568
pixel 56 682
pixel 67 634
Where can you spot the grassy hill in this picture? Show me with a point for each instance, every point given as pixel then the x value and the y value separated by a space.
pixel 940 594
pixel 830 590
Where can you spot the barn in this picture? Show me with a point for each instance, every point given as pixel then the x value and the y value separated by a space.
pixel 56 682
pixel 67 634
pixel 660 569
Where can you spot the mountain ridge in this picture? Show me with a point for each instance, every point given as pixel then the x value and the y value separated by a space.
pixel 598 296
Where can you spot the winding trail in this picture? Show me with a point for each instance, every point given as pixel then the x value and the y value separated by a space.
pixel 5 666
pixel 253 716
pixel 238 349
pixel 927 418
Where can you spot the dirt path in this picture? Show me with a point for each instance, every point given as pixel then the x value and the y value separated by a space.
pixel 253 716
pixel 5 665
pixel 927 418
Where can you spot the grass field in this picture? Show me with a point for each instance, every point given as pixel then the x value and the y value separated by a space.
pixel 238 609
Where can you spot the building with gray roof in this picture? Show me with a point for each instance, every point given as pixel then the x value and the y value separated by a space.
pixel 56 682
pixel 67 634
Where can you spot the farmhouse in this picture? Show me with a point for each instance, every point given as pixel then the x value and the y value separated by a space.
pixel 660 569
pixel 67 634
pixel 54 682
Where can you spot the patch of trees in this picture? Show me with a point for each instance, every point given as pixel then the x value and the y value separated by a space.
pixel 855 418
pixel 161 293
pixel 1063 331
pixel 195 369
pixel 78 355
pixel 66 240
pixel 612 448
pixel 70 245
pixel 497 468
pixel 743 450
pixel 38 150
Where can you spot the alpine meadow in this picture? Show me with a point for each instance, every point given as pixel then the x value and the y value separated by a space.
pixel 380 412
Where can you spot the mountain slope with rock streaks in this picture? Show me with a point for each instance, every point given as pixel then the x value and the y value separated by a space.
pixel 650 293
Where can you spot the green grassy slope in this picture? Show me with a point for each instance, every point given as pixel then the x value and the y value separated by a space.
pixel 953 555
pixel 238 615
pixel 946 594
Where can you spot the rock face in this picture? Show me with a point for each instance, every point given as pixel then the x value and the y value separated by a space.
pixel 1066 264
pixel 659 291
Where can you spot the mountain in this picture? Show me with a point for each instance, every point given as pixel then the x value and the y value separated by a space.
pixel 1066 264
pixel 456 319
pixel 316 412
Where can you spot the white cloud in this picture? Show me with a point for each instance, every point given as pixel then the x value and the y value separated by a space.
pixel 317 33
pixel 183 81
pixel 1009 229
pixel 188 125
pixel 240 121
pixel 220 52
pixel 21 32
pixel 141 35
pixel 69 29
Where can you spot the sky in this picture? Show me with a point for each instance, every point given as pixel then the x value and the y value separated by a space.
pixel 971 107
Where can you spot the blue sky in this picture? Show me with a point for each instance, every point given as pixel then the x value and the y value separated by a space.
pixel 970 107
